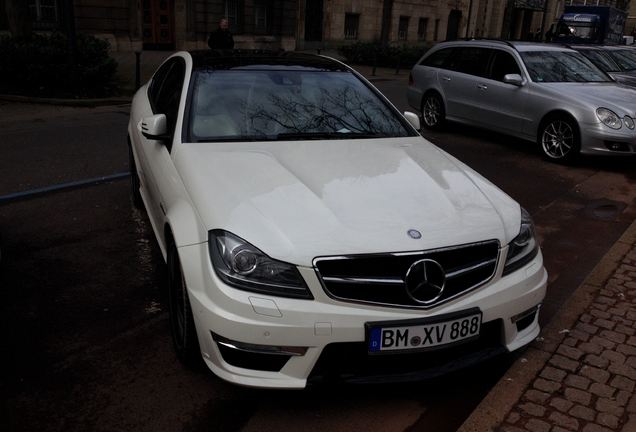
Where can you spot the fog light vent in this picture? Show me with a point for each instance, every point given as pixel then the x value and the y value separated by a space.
pixel 524 319
pixel 257 357
pixel 617 146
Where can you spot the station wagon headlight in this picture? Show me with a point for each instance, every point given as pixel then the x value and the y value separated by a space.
pixel 245 267
pixel 629 122
pixel 609 118
pixel 523 248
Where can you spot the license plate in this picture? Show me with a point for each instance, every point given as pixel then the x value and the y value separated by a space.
pixel 410 335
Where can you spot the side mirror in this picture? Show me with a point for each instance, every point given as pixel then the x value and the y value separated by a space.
pixel 155 127
pixel 412 118
pixel 514 79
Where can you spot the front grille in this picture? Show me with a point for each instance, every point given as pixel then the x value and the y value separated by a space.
pixel 379 278
pixel 350 361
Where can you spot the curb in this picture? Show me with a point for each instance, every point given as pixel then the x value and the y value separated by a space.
pixel 504 395
pixel 68 102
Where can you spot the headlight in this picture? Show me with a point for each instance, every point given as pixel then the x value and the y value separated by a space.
pixel 629 122
pixel 243 266
pixel 609 118
pixel 523 248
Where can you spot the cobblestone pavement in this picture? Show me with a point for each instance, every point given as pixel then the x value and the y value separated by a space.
pixel 588 383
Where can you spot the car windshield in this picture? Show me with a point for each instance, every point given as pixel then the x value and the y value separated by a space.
pixel 254 105
pixel 625 58
pixel 561 66
pixel 601 59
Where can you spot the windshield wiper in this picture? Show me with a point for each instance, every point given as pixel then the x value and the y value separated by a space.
pixel 237 138
pixel 327 135
pixel 293 136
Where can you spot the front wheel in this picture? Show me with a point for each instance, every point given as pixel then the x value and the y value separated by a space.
pixel 559 139
pixel 184 335
pixel 433 114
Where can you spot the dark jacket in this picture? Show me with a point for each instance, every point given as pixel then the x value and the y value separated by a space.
pixel 221 39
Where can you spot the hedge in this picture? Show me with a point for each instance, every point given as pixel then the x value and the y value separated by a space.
pixel 39 66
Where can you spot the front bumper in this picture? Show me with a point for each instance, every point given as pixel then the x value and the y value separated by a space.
pixel 596 138
pixel 313 325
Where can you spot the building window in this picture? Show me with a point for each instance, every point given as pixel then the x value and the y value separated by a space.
pixel 352 21
pixel 232 15
pixel 43 12
pixel 403 28
pixel 436 33
pixel 422 28
pixel 261 18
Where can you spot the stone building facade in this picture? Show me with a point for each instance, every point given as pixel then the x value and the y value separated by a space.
pixel 171 24
pixel 299 24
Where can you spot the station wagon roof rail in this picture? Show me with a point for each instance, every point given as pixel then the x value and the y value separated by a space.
pixel 503 41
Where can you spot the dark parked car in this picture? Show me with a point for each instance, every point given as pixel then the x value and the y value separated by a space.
pixel 617 61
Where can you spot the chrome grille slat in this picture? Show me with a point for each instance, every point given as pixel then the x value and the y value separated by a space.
pixel 364 281
pixel 453 274
pixel 379 278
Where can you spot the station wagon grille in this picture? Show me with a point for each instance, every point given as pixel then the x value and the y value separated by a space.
pixel 379 278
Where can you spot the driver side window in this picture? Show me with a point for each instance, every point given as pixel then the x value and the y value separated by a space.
pixel 155 84
pixel 165 93
pixel 503 64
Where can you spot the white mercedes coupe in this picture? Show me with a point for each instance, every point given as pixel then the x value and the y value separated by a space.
pixel 311 233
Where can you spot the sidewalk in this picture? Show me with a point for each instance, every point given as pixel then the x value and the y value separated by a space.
pixel 580 374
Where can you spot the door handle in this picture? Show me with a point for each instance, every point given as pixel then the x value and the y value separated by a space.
pixel 446 78
pixel 482 86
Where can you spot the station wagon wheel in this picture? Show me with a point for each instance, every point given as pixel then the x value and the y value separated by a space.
pixel 559 139
pixel 184 335
pixel 135 194
pixel 433 113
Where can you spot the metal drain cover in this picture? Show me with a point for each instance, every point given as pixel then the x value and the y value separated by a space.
pixel 604 209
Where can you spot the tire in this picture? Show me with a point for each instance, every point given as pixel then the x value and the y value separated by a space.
pixel 559 139
pixel 433 112
pixel 182 328
pixel 135 194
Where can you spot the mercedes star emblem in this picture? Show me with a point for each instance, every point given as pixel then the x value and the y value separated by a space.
pixel 414 234
pixel 425 281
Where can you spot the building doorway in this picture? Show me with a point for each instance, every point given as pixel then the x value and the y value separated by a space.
pixel 452 30
pixel 313 20
pixel 158 24
pixel 522 25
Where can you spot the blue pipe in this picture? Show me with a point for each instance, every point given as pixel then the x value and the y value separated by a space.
pixel 16 196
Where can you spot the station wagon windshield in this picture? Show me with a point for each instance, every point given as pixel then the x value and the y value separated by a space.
pixel 561 66
pixel 626 59
pixel 254 105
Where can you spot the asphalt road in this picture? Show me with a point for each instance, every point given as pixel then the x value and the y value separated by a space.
pixel 82 304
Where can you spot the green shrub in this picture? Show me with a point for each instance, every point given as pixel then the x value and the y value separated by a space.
pixel 39 66
pixel 384 55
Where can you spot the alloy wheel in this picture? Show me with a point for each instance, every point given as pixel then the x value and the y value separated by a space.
pixel 557 139
pixel 431 111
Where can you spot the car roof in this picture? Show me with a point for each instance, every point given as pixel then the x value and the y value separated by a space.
pixel 263 60
pixel 534 46
pixel 517 45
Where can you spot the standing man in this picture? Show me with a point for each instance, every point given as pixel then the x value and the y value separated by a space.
pixel 221 38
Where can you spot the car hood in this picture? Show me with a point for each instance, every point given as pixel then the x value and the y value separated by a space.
pixel 608 95
pixel 299 200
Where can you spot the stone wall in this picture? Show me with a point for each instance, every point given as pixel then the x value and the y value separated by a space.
pixel 370 21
